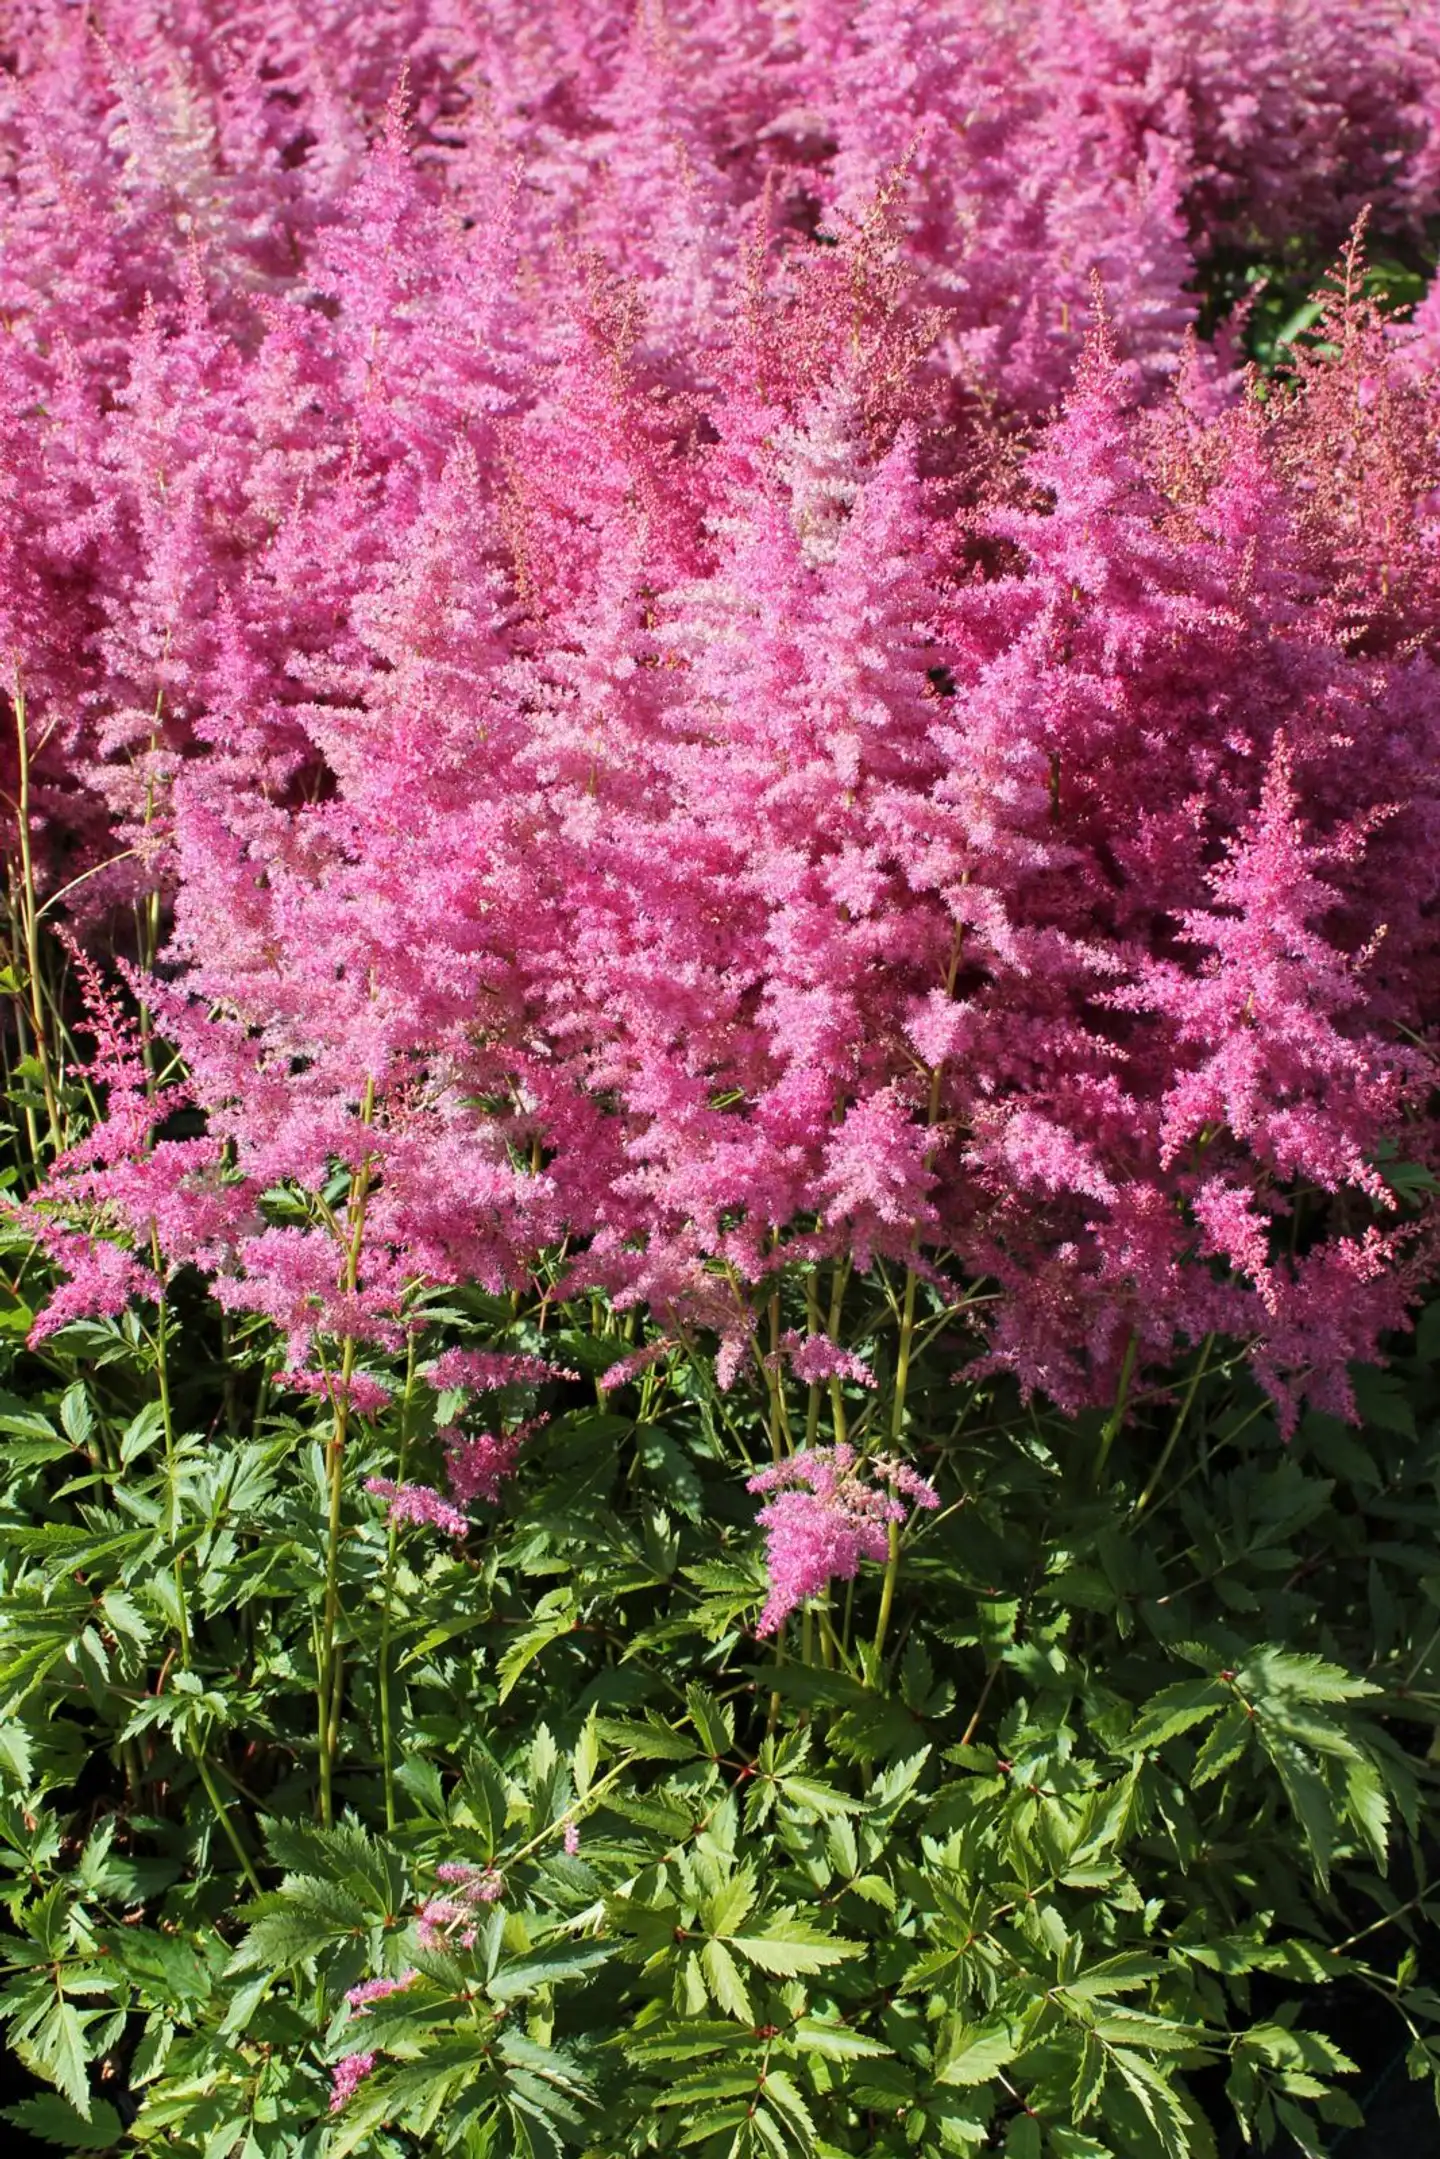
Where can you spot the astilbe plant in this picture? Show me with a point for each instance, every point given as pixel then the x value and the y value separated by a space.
pixel 719 866
pixel 715 752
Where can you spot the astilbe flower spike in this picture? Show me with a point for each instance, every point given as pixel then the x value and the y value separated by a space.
pixel 418 1503
pixel 348 2074
pixel 444 1919
pixel 814 1357
pixel 479 1464
pixel 824 1517
pixel 360 1997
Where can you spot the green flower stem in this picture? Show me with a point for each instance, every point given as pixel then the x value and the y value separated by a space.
pixel 207 1778
pixel 780 1441
pixel 387 1736
pixel 30 922
pixel 563 1821
pixel 838 1281
pixel 22 1044
pixel 907 1343
pixel 834 1648
pixel 897 1425
pixel 331 1676
pixel 1117 1415
pixel 812 1326
pixel 1186 1405
pixel 172 1465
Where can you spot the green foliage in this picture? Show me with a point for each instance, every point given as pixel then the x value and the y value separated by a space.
pixel 1270 294
pixel 1083 1862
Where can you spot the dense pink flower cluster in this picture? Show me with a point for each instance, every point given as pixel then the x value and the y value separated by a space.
pixel 827 1514
pixel 378 1990
pixel 484 1371
pixel 655 738
pixel 418 1503
pixel 454 1916
pixel 479 1463
pixel 814 1357
pixel 348 2074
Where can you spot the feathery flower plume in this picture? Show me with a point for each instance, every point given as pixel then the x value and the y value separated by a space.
pixel 348 2074
pixel 824 1518
pixel 418 1503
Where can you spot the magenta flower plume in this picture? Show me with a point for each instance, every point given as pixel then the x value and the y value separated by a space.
pixel 479 1464
pixel 365 1392
pixel 418 1503
pixel 348 2074
pixel 814 1357
pixel 630 1367
pixel 485 1371
pixel 824 1518
pixel 452 1918
pixel 378 1990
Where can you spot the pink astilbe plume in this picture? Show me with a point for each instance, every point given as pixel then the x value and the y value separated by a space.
pixel 116 1210
pixel 627 1368
pixel 362 1391
pixel 1273 1067
pixel 480 1464
pixel 824 1517
pixel 709 674
pixel 348 2074
pixel 378 1990
pixel 481 1371
pixel 452 1917
pixel 814 1357
pixel 418 1503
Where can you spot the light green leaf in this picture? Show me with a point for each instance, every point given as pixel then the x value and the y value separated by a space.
pixel 783 2094
pixel 977 2054
pixel 586 1757
pixel 714 1722
pixel 1223 1746
pixel 790 1948
pixel 1158 2101
pixel 722 1977
pixel 528 1646
pixel 731 1905
pixel 54 2119
pixel 547 1968
pixel 1089 2077
pixel 1270 1671
pixel 1175 1709
pixel 837 2042
pixel 711 2084
pixel 1114 1975
pixel 1067 2143
pixel 58 2043
pixel 76 1416
pixel 647 1742
pixel 16 1755
pixel 810 1797
pixel 1368 1806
